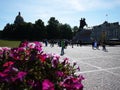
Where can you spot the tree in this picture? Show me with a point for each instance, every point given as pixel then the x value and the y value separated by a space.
pixel 75 30
pixel 8 31
pixel 39 30
pixel 53 28
pixel 66 31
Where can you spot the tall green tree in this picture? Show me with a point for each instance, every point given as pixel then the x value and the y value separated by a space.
pixel 53 28
pixel 39 30
pixel 65 31
pixel 8 31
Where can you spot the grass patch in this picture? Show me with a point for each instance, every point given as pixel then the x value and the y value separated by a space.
pixel 9 43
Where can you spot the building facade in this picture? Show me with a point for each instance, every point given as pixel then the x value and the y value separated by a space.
pixel 110 31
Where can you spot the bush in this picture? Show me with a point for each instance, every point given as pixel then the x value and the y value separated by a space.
pixel 29 68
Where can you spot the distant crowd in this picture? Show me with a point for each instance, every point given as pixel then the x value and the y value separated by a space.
pixel 63 43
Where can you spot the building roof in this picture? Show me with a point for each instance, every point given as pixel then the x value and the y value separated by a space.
pixel 19 19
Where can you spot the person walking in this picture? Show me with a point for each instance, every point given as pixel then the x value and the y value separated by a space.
pixel 104 46
pixel 62 47
pixel 95 44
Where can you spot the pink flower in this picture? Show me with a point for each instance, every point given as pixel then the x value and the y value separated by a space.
pixel 31 45
pixel 37 66
pixel 65 61
pixel 21 49
pixel 78 86
pixel 55 63
pixel 47 85
pixel 21 75
pixel 3 74
pixel 7 70
pixel 6 48
pixel 39 49
pixel 42 57
pixel 72 83
pixel 56 56
pixel 74 63
pixel 1 51
pixel 9 63
pixel 80 78
pixel 23 43
pixel 78 68
pixel 59 73
pixel 38 44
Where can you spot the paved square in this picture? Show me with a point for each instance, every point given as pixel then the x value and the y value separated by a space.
pixel 101 69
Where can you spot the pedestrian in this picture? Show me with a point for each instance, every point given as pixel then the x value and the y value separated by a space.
pixel 95 44
pixel 62 47
pixel 72 43
pixel 104 46
pixel 98 44
pixel 46 42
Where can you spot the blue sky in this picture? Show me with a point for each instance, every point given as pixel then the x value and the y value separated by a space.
pixel 65 11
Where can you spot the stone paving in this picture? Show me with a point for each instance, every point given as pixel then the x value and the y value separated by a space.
pixel 101 69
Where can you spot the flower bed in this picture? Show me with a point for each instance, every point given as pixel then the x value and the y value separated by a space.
pixel 29 68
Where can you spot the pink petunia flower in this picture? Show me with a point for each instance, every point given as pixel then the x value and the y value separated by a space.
pixel 9 63
pixel 21 75
pixel 3 74
pixel 59 73
pixel 54 62
pixel 6 48
pixel 38 44
pixel 42 57
pixel 47 85
pixel 31 45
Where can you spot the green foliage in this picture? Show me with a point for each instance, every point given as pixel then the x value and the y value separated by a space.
pixel 66 31
pixel 52 28
pixel 38 31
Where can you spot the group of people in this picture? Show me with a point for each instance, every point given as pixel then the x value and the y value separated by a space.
pixel 95 45
pixel 61 43
pixel 64 43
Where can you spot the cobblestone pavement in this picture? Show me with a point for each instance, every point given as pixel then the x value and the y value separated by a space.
pixel 101 69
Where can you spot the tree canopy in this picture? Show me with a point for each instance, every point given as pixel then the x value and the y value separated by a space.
pixel 38 31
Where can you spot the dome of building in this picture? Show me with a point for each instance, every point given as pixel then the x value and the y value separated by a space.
pixel 19 19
